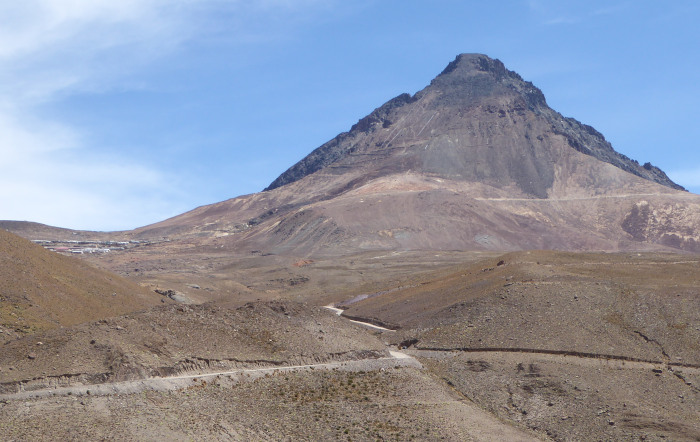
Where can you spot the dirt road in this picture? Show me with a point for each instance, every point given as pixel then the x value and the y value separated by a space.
pixel 339 312
pixel 396 359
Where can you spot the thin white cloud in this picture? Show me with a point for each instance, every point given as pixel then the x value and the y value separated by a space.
pixel 562 20
pixel 91 194
pixel 20 138
pixel 552 13
pixel 47 176
pixel 52 49
pixel 62 46
pixel 612 9
pixel 35 25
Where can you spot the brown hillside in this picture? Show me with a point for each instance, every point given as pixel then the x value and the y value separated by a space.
pixel 631 305
pixel 42 290
pixel 580 346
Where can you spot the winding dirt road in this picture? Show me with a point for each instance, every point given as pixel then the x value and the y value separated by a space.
pixel 339 312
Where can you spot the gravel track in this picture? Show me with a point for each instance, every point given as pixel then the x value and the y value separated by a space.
pixel 178 382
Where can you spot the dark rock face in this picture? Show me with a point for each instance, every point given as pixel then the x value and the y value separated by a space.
pixel 339 146
pixel 587 140
pixel 476 121
pixel 473 76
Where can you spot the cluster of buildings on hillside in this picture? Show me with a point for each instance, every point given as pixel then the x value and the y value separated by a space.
pixel 81 247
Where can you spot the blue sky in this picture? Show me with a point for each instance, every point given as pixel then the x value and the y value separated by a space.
pixel 114 115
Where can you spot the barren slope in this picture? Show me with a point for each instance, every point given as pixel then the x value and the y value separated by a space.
pixel 581 346
pixel 40 290
pixel 176 339
pixel 394 404
pixel 353 399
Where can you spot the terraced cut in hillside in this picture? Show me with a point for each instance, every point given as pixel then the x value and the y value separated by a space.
pixel 645 306
pixel 173 340
pixel 394 404
pixel 160 372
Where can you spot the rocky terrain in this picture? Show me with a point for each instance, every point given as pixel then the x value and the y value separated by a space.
pixel 573 345
pixel 177 339
pixel 210 372
pixel 395 404
pixel 528 345
pixel 478 86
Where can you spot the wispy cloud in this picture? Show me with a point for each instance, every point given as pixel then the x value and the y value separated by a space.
pixel 561 20
pixel 53 49
pixel 62 46
pixel 49 175
pixel 85 193
pixel 612 9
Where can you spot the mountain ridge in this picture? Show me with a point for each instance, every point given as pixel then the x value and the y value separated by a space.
pixel 475 161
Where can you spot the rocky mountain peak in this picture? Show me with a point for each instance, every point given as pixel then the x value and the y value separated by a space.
pixel 472 76
pixel 476 121
pixel 474 161
pixel 470 64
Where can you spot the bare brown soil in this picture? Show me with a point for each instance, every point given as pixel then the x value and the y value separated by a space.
pixel 40 290
pixel 578 346
pixel 343 394
pixel 566 345
pixel 179 339
pixel 595 346
pixel 396 404
pixel 570 398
